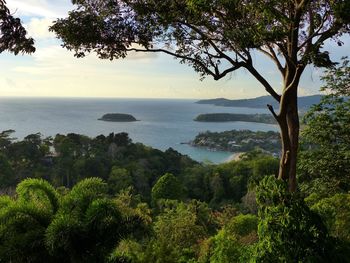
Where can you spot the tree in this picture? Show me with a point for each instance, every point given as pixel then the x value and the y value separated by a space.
pixel 217 38
pixel 288 230
pixel 233 243
pixel 335 212
pixel 178 231
pixel 167 187
pixel 88 225
pixel 119 179
pixel 325 161
pixel 13 36
pixel 23 222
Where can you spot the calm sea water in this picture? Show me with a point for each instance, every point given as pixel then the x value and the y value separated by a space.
pixel 164 123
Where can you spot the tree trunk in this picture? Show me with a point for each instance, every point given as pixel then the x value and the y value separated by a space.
pixel 288 120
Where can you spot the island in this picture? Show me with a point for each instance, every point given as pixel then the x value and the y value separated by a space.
pixel 238 141
pixel 118 117
pixel 226 117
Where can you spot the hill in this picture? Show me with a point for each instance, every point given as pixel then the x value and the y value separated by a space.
pixel 226 117
pixel 261 102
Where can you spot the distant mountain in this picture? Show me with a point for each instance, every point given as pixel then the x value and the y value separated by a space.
pixel 261 102
pixel 226 117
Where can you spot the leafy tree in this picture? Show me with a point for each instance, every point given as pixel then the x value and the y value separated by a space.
pixel 325 159
pixel 13 36
pixel 88 225
pixel 335 212
pixel 167 187
pixel 5 139
pixel 288 230
pixel 23 222
pixel 40 225
pixel 119 179
pixel 233 243
pixel 6 172
pixel 177 232
pixel 216 38
pixel 217 187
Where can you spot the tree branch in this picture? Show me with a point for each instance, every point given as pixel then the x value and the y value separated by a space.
pixel 159 50
pixel 312 32
pixel 264 82
pixel 273 112
pixel 274 58
pixel 211 42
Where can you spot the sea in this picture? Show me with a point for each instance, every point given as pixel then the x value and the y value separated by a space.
pixel 164 123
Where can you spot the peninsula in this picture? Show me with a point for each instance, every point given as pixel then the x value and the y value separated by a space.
pixel 226 117
pixel 239 141
pixel 118 117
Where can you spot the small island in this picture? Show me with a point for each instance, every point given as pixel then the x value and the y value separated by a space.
pixel 226 117
pixel 238 141
pixel 118 117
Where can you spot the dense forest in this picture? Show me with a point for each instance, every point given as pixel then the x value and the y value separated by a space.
pixel 106 199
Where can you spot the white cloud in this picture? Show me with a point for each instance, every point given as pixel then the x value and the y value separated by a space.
pixel 38 28
pixel 39 8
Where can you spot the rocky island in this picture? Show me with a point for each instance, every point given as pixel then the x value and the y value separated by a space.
pixel 226 117
pixel 239 141
pixel 118 117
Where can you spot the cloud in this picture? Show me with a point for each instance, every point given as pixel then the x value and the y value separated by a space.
pixel 38 28
pixel 39 8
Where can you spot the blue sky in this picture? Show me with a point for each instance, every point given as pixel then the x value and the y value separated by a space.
pixel 54 72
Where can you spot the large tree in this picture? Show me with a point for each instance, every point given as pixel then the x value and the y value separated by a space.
pixel 217 37
pixel 13 36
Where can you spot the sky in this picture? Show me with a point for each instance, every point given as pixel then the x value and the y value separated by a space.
pixel 54 72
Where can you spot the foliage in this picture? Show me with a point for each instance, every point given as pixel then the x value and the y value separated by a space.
pixel 67 159
pixel 233 243
pixel 217 28
pixel 83 225
pixel 6 172
pixel 177 233
pixel 167 187
pixel 12 33
pixel 23 222
pixel 119 179
pixel 288 230
pixel 335 212
pixel 325 160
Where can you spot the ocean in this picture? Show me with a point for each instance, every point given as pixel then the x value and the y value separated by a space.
pixel 163 123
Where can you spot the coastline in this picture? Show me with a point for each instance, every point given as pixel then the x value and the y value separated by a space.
pixel 234 157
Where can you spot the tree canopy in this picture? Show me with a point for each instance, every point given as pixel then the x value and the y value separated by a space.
pixel 13 36
pixel 215 37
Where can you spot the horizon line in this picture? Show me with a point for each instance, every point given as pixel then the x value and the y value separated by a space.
pixel 130 98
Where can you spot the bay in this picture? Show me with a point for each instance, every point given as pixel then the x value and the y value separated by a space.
pixel 163 123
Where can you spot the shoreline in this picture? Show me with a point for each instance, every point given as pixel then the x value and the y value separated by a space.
pixel 234 157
